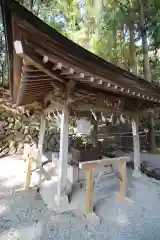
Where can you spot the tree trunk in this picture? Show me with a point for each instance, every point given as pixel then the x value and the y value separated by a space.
pixel 114 55
pixel 152 132
pixel 132 49
pixel 122 41
pixel 146 70
pixel 146 67
pixel 2 74
pixel 37 11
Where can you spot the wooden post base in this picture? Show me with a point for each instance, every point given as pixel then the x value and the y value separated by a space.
pixel 93 219
pixel 28 174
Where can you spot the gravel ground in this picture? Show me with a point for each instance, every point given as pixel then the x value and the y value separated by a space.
pixel 27 218
pixel 152 159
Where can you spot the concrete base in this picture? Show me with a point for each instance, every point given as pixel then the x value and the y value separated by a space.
pixel 75 174
pixel 61 201
pixel 136 174
pixel 93 219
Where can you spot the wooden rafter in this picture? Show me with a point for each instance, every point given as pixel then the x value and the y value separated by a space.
pixel 26 53
pixel 78 76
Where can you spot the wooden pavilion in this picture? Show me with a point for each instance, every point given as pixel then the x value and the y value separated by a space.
pixel 48 68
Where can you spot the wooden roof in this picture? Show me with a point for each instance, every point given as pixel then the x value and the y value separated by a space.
pixel 42 60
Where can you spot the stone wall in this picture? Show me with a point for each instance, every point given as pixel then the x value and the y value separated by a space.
pixel 21 125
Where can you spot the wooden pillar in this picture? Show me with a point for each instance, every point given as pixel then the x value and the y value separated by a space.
pixel 123 181
pixel 61 197
pixel 89 191
pixel 28 174
pixel 17 65
pixel 41 137
pixel 136 147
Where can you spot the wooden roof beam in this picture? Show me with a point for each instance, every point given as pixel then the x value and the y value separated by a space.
pixel 57 66
pixel 27 54
pixel 39 92
pixel 29 69
pixel 67 71
pixel 64 62
pixel 115 87
pixel 32 81
pixel 35 94
pixel 55 58
pixel 81 77
pixel 28 86
pixel 91 79
pixel 45 59
pixel 87 106
pixel 99 82
pixel 77 76
pixel 34 75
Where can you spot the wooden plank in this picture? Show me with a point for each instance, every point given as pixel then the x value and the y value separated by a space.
pixel 28 55
pixel 29 70
pixel 55 57
pixel 36 94
pixel 37 88
pixel 28 174
pixel 37 74
pixel 31 81
pixel 57 66
pixel 69 62
pixel 84 106
pixel 67 71
pixel 17 64
pixel 77 76
pixel 89 191
pixel 103 162
pixel 123 182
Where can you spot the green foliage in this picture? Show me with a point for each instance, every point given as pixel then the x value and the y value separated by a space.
pixel 78 143
pixel 82 142
pixel 155 66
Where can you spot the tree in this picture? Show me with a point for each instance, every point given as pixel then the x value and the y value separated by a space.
pixel 146 68
pixel 3 59
pixel 133 18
